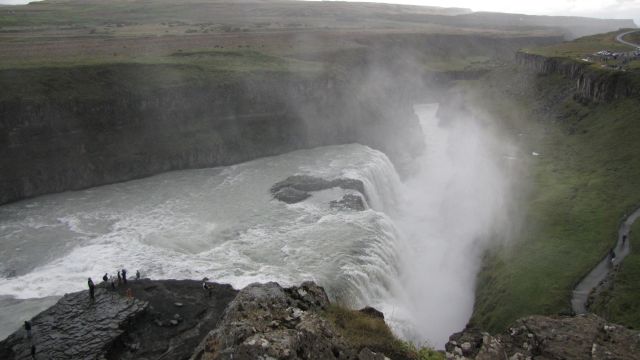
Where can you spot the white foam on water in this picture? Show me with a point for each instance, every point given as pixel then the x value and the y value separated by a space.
pixel 216 223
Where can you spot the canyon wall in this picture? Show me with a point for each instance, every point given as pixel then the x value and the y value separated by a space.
pixel 74 127
pixel 598 85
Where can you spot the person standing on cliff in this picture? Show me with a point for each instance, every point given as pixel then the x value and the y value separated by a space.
pixel 105 278
pixel 124 276
pixel 137 274
pixel 27 327
pixel 92 289
pixel 206 287
pixel 119 278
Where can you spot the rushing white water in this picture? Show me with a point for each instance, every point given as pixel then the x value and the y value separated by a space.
pixel 220 223
pixel 449 211
pixel 413 252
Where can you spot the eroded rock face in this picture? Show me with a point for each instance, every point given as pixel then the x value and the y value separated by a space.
pixel 541 337
pixel 297 188
pixel 75 328
pixel 267 321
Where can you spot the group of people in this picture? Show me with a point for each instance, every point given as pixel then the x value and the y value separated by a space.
pixel 115 282
pixel 121 277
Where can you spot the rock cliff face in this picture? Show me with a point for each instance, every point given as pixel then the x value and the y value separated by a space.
pixel 591 83
pixel 75 127
pixel 52 145
pixel 541 337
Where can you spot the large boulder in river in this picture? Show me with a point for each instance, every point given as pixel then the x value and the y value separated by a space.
pixel 291 195
pixel 266 321
pixel 544 337
pixel 296 188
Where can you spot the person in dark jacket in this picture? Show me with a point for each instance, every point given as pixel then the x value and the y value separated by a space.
pixel 124 276
pixel 27 327
pixel 92 289
pixel 105 278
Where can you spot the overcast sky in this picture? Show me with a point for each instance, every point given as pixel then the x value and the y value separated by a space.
pixel 617 9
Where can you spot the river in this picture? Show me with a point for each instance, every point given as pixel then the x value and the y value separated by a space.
pixel 413 253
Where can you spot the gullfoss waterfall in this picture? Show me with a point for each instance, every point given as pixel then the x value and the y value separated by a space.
pixel 413 252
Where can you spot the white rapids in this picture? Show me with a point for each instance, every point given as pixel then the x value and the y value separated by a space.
pixel 404 254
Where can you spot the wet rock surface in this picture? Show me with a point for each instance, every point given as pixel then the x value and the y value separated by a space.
pixel 541 337
pixel 148 325
pixel 179 316
pixel 291 195
pixel 178 319
pixel 75 328
pixel 298 187
pixel 348 202
pixel 266 321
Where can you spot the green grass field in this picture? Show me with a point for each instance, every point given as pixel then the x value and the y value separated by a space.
pixel 585 180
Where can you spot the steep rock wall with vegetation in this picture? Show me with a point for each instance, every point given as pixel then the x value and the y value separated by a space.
pixel 599 85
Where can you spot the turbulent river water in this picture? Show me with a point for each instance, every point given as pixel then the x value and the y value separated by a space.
pixel 412 253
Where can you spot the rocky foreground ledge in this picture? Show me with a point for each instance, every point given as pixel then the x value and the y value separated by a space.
pixel 171 319
pixel 177 319
pixel 549 338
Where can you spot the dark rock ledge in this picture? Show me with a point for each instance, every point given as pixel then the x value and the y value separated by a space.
pixel 177 319
pixel 164 319
pixel 297 188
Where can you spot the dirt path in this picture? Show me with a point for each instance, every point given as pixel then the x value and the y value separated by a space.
pixel 600 272
pixel 620 39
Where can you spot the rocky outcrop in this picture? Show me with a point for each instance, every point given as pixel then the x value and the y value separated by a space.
pixel 268 321
pixel 298 187
pixel 178 319
pixel 76 328
pixel 162 319
pixel 591 83
pixel 541 337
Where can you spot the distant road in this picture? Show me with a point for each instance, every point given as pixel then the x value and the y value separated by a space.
pixel 620 40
